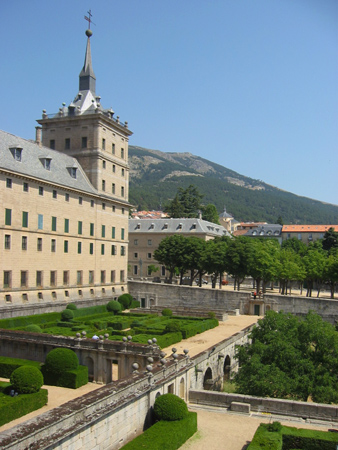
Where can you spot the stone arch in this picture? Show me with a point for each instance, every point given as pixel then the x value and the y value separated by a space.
pixel 207 381
pixel 226 368
pixel 152 302
pixel 90 364
pixel 158 395
pixel 182 391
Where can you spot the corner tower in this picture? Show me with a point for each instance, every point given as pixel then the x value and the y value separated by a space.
pixel 93 135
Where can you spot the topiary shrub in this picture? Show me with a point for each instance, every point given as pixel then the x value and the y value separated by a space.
pixel 67 315
pixel 61 360
pixel 71 306
pixel 125 300
pixel 172 327
pixel 170 407
pixel 114 306
pixel 32 328
pixel 167 312
pixel 26 380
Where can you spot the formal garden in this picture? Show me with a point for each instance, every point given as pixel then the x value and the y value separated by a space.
pixel 112 323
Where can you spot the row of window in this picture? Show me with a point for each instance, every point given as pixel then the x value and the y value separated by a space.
pixel 150 242
pixel 113 167
pixel 39 246
pixel 113 188
pixel 53 278
pixel 149 270
pixel 25 187
pixel 149 255
pixel 84 144
pixel 8 221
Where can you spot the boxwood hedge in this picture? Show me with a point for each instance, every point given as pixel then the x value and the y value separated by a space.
pixel 12 408
pixel 8 365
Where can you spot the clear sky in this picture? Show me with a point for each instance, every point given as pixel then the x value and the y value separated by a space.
pixel 248 84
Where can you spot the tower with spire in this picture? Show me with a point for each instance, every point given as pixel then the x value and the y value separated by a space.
pixel 93 135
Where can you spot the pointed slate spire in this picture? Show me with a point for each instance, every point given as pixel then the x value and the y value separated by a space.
pixel 87 79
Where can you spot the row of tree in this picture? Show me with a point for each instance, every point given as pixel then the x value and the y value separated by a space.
pixel 262 259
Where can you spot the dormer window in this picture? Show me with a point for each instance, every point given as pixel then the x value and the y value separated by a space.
pixel 193 226
pixel 152 226
pixel 138 226
pixel 73 172
pixel 17 153
pixel 46 162
pixel 180 225
pixel 165 226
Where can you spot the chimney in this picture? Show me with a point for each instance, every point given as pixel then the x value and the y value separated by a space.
pixel 199 214
pixel 38 131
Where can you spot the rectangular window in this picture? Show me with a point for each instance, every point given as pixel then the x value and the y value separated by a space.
pixel 122 172
pixel 52 144
pixel 79 227
pixel 8 217
pixel 67 143
pixel 53 245
pixel 135 255
pixel 300 236
pixel 66 225
pixel 9 183
pixel 135 241
pixel 23 278
pixel 122 234
pixel 18 154
pixel 52 278
pixel 103 231
pixel 80 200
pixel 79 277
pixel 24 243
pixel 65 277
pixel 103 185
pixel 7 278
pixel 112 276
pixel 92 203
pixel 84 142
pixel 149 242
pixel 39 245
pixel 122 210
pixel 122 191
pixel 103 276
pixel 67 197
pixel 113 232
pixel 25 187
pixel 103 164
pixel 25 219
pixel 54 221
pixel 7 241
pixel 103 206
pixel 39 278
pixel 92 229
pixel 123 250
pixel 163 271
pixel 102 249
pixel 73 172
pixel 114 168
pixel 113 188
pixel 40 190
pixel 135 270
pixel 122 153
pixel 122 275
pixel 55 193
pixel 91 277
pixel 113 250
pixel 149 255
pixel 113 149
pixel 79 247
pixel 91 248
pixel 103 144
pixel 40 222
pixel 113 208
pixel 65 246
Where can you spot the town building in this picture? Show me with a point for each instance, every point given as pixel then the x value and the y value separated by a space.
pixel 146 235
pixel 306 233
pixel 64 204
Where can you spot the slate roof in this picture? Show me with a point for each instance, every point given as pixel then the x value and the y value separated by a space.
pixel 176 226
pixel 32 163
pixel 266 230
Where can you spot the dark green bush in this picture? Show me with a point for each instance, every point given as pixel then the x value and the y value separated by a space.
pixel 274 426
pixel 65 324
pixel 71 379
pixel 170 407
pixel 32 328
pixel 114 306
pixel 26 379
pixel 61 360
pixel 167 312
pixel 211 315
pixel 23 321
pixel 165 435
pixel 172 327
pixel 8 365
pixel 135 304
pixel 90 310
pixel 67 315
pixel 71 306
pixel 12 408
pixel 125 300
pixel 135 323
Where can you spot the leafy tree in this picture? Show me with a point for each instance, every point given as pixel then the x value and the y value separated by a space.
pixel 263 261
pixel 331 270
pixel 170 253
pixel 290 358
pixel 314 263
pixel 290 268
pixel 186 203
pixel 330 239
pixel 296 245
pixel 236 259
pixel 193 251
pixel 152 269
pixel 210 214
pixel 213 259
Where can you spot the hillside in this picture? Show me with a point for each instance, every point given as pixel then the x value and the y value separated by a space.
pixel 155 177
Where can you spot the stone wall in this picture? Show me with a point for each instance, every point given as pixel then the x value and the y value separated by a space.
pixel 304 410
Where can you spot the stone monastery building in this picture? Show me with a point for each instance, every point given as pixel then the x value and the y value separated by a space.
pixel 64 204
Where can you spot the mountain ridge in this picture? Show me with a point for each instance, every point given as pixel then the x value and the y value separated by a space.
pixel 155 177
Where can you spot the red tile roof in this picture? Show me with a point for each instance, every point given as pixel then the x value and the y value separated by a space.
pixel 307 228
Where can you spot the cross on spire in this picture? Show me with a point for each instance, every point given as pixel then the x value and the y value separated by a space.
pixel 89 19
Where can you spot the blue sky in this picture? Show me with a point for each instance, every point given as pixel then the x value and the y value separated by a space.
pixel 248 84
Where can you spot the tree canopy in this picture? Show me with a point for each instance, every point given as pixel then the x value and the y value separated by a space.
pixel 290 358
pixel 186 203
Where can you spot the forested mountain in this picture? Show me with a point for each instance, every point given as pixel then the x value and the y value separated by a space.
pixel 155 177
